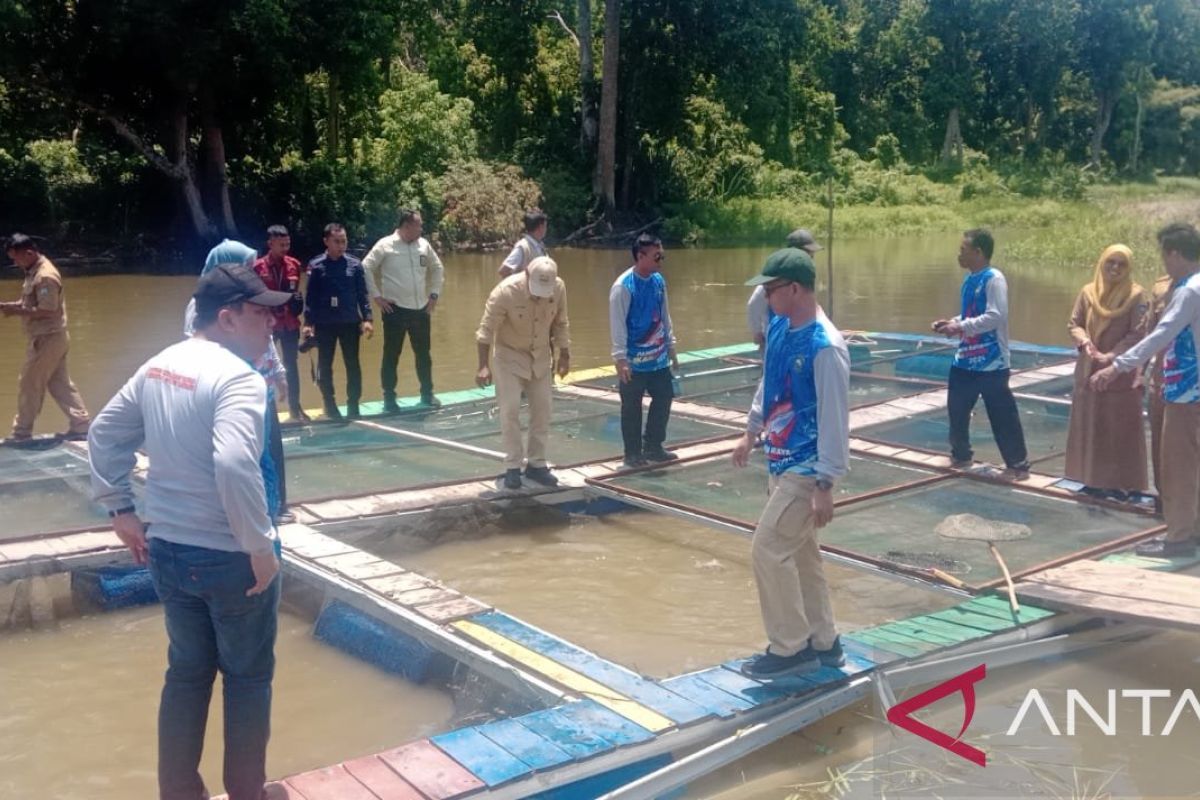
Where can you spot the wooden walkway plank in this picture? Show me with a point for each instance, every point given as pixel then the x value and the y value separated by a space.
pixel 999 607
pixel 569 736
pixel 957 633
pixel 647 692
pixel 1119 590
pixel 1105 605
pixel 485 759
pixel 537 751
pixel 330 783
pixel 450 610
pixel 893 645
pixel 740 686
pixel 392 585
pixel 381 779
pixel 605 723
pixel 718 702
pixel 902 629
pixel 646 717
pixel 433 773
pixel 985 623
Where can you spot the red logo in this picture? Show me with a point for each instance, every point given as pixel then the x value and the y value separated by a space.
pixel 900 714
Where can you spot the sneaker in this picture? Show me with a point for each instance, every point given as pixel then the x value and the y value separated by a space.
pixel 633 462
pixel 299 415
pixel 512 479
pixel 285 518
pixel 73 436
pixel 1161 548
pixel 542 476
pixel 332 412
pixel 390 406
pixel 431 401
pixel 658 455
pixel 1019 472
pixel 352 411
pixel 961 463
pixel 833 657
pixel 769 666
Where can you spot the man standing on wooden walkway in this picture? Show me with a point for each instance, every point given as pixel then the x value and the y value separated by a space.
pixel 802 411
pixel 526 319
pixel 1177 335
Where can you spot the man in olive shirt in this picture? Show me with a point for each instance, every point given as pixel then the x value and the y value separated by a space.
pixel 526 318
pixel 43 312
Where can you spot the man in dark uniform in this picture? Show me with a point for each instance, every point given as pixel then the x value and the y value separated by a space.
pixel 337 310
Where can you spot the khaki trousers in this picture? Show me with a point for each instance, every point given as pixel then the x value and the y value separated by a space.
pixel 45 370
pixel 1157 407
pixel 792 591
pixel 509 386
pixel 1181 470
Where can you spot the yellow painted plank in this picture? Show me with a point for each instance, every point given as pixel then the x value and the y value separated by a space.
pixel 609 698
pixel 589 374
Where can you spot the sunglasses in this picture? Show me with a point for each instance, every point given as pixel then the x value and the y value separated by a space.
pixel 659 258
pixel 770 288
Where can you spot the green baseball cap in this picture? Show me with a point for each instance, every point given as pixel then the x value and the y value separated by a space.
pixel 791 264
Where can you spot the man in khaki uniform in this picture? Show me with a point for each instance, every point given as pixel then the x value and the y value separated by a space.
pixel 525 318
pixel 43 312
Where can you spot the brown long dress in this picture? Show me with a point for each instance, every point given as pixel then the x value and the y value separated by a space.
pixel 1106 441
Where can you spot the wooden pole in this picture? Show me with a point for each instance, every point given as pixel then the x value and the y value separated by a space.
pixel 829 248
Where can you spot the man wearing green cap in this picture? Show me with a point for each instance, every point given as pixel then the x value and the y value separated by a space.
pixel 801 410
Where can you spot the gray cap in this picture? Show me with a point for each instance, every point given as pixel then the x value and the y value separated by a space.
pixel 803 239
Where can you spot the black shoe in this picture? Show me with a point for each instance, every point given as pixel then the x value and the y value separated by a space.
pixel 769 666
pixel 1017 472
pixel 633 462
pixel 961 463
pixel 332 412
pixel 390 406
pixel 352 411
pixel 541 475
pixel 833 657
pixel 512 479
pixel 430 401
pixel 298 415
pixel 658 455
pixel 1161 548
pixel 73 436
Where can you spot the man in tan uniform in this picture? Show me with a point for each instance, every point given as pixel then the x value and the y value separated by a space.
pixel 525 318
pixel 43 312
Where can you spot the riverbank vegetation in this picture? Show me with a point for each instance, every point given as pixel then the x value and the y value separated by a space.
pixel 164 125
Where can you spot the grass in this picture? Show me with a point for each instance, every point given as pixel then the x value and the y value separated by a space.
pixel 1055 232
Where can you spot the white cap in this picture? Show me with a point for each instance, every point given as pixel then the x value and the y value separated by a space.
pixel 542 274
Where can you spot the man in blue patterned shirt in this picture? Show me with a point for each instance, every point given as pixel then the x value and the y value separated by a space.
pixel 981 364
pixel 802 411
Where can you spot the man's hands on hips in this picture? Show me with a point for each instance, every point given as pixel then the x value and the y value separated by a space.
pixel 132 532
pixel 266 567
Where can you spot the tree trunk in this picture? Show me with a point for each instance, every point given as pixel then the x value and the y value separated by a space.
pixel 1136 151
pixel 587 81
pixel 1106 102
pixel 606 153
pixel 333 117
pixel 213 143
pixel 952 145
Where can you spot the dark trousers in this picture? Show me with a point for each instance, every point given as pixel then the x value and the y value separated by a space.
pixel 658 384
pixel 212 625
pixel 288 342
pixel 275 445
pixel 413 322
pixel 328 339
pixel 964 390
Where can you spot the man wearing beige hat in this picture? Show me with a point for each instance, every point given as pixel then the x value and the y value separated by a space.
pixel 525 318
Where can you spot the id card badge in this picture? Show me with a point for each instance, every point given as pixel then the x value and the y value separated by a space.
pixel 333 302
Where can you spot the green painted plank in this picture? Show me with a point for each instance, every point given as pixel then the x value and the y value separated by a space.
pixel 984 622
pixel 900 637
pixel 995 603
pixel 924 633
pixel 957 632
pixel 898 649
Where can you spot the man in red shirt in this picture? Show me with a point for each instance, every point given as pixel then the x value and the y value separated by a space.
pixel 280 272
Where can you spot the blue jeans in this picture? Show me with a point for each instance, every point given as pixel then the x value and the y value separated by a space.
pixel 211 625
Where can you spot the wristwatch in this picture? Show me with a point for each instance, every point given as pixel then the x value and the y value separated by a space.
pixel 123 510
pixel 433 295
pixel 824 484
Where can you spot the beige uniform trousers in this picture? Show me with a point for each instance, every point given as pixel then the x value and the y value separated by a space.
pixel 509 386
pixel 45 370
pixel 792 591
pixel 1180 454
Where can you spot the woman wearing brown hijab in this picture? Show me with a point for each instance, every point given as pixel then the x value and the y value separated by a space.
pixel 1106 442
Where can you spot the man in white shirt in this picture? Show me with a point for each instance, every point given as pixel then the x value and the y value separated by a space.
pixel 758 311
pixel 404 278
pixel 198 409
pixel 529 246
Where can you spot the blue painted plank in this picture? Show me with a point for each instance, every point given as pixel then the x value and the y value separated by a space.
pixel 487 760
pixel 577 740
pixel 719 702
pixel 608 724
pixel 649 693
pixel 751 690
pixel 535 750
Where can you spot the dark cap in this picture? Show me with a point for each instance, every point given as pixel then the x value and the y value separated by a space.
pixel 228 284
pixel 803 239
pixel 790 264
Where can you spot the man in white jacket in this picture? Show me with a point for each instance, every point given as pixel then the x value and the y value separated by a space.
pixel 197 409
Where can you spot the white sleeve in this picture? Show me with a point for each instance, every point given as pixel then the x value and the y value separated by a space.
pixel 756 312
pixel 666 313
pixel 1183 310
pixel 618 312
pixel 514 259
pixel 831 371
pixel 238 440
pixel 754 420
pixel 437 271
pixel 113 441
pixel 371 264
